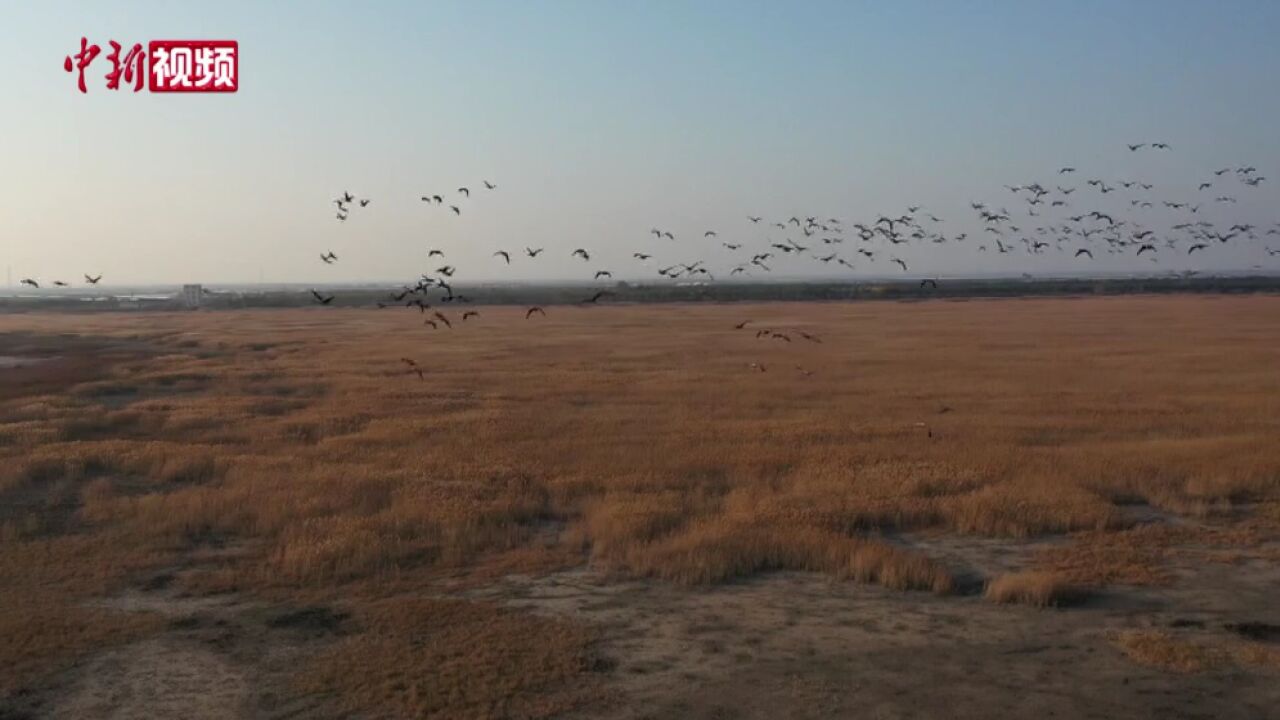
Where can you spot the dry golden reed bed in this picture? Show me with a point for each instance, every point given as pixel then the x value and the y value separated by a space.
pixel 635 438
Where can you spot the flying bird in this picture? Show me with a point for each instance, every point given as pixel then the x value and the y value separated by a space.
pixel 321 298
pixel 535 309
pixel 490 186
pixel 92 280
pixel 464 191
pixel 585 255
pixel 532 252
pixel 29 281
pixel 505 255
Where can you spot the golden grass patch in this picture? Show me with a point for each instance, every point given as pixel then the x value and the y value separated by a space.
pixel 1164 651
pixel 1038 589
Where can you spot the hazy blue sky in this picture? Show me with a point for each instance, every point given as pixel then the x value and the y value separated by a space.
pixel 600 120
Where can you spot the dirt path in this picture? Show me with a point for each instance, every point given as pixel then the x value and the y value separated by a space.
pixel 801 646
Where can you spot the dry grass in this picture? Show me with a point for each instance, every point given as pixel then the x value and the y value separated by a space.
pixel 634 438
pixel 1163 651
pixel 438 658
pixel 1171 652
pixel 1039 589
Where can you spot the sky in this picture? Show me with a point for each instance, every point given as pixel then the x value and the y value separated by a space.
pixel 601 120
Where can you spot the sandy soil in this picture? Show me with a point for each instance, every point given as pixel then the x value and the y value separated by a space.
pixel 792 645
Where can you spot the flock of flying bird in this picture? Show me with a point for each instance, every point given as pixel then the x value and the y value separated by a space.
pixel 1101 216
pixel 1046 218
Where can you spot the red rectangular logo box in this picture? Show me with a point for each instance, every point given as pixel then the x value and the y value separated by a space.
pixel 193 66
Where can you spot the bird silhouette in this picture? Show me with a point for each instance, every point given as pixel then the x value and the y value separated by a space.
pixel 535 309
pixel 585 255
pixel 489 185
pixel 532 252
pixel 455 209
pixel 505 255
pixel 323 300
pixel 464 191
pixel 469 314
pixel 92 280
pixel 29 281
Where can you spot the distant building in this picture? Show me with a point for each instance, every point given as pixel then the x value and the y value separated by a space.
pixel 191 295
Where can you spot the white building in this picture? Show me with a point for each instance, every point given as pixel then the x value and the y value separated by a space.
pixel 191 295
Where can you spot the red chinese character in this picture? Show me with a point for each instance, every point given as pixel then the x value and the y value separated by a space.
pixel 83 58
pixel 131 66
